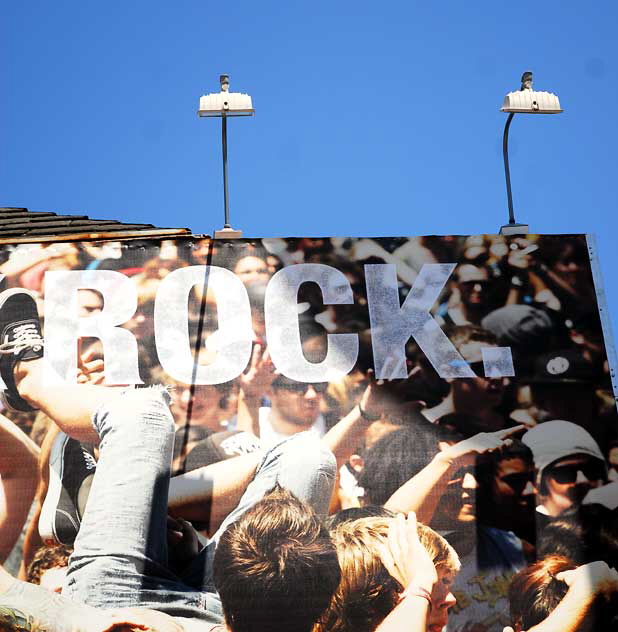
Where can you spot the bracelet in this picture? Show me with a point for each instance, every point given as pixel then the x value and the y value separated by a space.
pixel 366 416
pixel 417 591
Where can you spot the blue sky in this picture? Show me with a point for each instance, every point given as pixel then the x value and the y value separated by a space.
pixel 372 118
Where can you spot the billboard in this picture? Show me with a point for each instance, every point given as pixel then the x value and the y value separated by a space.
pixel 319 434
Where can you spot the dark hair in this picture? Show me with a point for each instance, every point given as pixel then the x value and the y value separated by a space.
pixel 395 458
pixel 461 335
pixel 535 592
pixel 487 463
pixel 276 568
pixel 585 534
pixel 485 471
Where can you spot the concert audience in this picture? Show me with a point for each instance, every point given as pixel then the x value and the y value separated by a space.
pixel 510 476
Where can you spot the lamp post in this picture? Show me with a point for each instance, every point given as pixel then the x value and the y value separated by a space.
pixel 524 101
pixel 222 105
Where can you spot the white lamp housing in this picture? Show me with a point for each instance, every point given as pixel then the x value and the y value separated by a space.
pixel 226 104
pixel 531 102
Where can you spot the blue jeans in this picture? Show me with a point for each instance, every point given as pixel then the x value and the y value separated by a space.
pixel 120 556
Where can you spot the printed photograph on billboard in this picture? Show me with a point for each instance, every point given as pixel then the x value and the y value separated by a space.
pixel 308 434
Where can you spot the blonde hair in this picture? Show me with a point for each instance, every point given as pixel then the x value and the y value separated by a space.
pixel 367 592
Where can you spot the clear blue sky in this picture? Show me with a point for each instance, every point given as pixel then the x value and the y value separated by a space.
pixel 372 118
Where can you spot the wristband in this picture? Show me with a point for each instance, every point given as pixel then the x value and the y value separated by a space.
pixel 366 416
pixel 417 591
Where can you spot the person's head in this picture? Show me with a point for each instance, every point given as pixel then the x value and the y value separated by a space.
pixel 48 567
pixel 456 508
pixel 203 405
pixel 568 461
pixel 251 268
pixel 563 386
pixel 276 567
pixel 585 535
pixel 352 514
pixel 535 592
pixel 141 324
pixel 90 302
pixel 473 284
pixel 507 494
pixel 527 330
pixel 202 251
pixel 297 402
pixel 395 458
pixel 367 592
pixel 568 257
pixel 479 393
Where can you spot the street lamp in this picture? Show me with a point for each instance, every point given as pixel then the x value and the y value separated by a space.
pixel 524 101
pixel 223 105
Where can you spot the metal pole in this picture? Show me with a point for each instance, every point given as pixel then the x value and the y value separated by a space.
pixel 507 173
pixel 226 205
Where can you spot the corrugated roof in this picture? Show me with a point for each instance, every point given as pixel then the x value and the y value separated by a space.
pixel 18 225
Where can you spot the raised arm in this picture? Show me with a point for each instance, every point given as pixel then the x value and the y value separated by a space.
pixel 422 492
pixel 253 384
pixel 585 584
pixel 18 482
pixel 408 562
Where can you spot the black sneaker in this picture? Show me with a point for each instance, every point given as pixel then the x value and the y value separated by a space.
pixel 20 340
pixel 71 471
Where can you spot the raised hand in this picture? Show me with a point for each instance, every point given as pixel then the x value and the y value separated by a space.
pixel 257 380
pixel 463 453
pixel 591 579
pixel 385 396
pixel 404 557
pixel 90 367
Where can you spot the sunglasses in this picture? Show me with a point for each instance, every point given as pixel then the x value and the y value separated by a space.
pixel 568 473
pixel 469 285
pixel 518 481
pixel 478 368
pixel 300 387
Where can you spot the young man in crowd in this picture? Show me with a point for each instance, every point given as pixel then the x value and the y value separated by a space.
pixel 119 573
pixel 569 464
pixel 476 397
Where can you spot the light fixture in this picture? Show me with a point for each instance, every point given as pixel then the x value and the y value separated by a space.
pixel 223 105
pixel 523 101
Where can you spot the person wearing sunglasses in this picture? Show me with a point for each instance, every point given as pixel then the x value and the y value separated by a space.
pixel 506 502
pixel 295 407
pixel 476 290
pixel 568 462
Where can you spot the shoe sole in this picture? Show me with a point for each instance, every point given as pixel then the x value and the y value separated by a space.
pixel 47 519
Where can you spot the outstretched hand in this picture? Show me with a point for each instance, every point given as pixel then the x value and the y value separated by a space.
pixel 463 453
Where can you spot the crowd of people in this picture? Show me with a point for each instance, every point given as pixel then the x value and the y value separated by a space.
pixel 358 504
